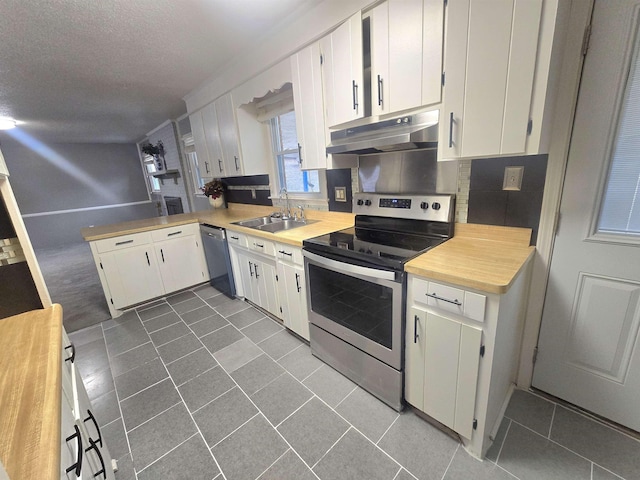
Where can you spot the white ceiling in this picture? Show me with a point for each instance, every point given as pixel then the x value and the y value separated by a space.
pixel 112 70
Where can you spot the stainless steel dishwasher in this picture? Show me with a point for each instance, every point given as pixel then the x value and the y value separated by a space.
pixel 216 251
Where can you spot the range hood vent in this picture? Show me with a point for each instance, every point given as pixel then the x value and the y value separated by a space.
pixel 404 133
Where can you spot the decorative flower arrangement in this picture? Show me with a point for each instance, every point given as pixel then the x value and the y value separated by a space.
pixel 213 189
pixel 153 150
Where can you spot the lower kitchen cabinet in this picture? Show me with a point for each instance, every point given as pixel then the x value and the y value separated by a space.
pixel 461 355
pixel 292 290
pixel 138 267
pixel 84 453
pixel 258 277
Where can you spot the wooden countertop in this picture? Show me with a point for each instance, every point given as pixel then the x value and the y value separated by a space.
pixel 483 257
pixel 30 393
pixel 326 222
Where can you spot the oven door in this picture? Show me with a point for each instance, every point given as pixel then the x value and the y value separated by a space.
pixel 360 305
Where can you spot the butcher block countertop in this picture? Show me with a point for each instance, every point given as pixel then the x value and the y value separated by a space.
pixel 483 257
pixel 326 222
pixel 30 393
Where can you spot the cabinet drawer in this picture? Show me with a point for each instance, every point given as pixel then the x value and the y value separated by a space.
pixel 235 238
pixel 289 253
pixel 263 246
pixel 450 299
pixel 174 232
pixel 124 241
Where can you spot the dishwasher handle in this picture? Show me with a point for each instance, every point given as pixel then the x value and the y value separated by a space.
pixel 213 232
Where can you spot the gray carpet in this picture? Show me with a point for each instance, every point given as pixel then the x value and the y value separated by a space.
pixel 73 282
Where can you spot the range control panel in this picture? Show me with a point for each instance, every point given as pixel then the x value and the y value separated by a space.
pixel 436 208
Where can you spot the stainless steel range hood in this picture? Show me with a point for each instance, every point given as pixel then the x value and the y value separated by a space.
pixel 403 133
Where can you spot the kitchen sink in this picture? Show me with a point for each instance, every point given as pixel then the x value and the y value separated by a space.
pixel 273 224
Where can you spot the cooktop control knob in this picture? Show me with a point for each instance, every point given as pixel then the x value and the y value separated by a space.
pixel 424 205
pixel 367 202
pixel 360 202
pixel 435 206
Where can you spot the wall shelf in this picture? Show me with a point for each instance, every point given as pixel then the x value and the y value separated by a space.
pixel 167 174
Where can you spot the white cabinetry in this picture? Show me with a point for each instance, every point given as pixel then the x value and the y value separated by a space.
pixel 343 72
pixel 406 55
pixel 306 75
pixel 255 270
pixel 215 134
pixel 79 428
pixel 138 267
pixel 491 50
pixel 292 290
pixel 461 355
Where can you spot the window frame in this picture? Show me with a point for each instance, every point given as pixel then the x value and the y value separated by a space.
pixel 152 182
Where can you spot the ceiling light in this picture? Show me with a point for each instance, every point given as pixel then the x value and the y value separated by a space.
pixel 7 123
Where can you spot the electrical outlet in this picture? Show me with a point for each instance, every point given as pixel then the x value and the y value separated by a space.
pixel 513 178
pixel 340 194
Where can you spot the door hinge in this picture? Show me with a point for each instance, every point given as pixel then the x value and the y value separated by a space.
pixel 535 355
pixel 530 126
pixel 586 39
pixel 443 78
pixel 475 423
pixel 482 350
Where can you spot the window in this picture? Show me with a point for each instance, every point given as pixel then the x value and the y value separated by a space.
pixel 285 149
pixel 620 211
pixel 150 168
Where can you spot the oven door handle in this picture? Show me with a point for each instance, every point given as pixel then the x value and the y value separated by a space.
pixel 348 268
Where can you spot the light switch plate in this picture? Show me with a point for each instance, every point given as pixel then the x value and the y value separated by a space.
pixel 340 194
pixel 513 178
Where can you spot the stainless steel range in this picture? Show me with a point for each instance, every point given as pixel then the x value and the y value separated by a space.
pixel 356 285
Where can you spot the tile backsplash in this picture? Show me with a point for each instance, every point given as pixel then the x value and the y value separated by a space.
pixel 490 204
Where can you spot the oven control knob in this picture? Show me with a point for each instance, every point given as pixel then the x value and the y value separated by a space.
pixel 367 202
pixel 435 206
pixel 360 202
pixel 424 205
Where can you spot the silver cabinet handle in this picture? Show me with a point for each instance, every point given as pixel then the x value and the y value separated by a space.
pixel 379 90
pixel 250 269
pixel 451 130
pixel 220 165
pixel 298 282
pixel 206 166
pixel 235 159
pixel 416 319
pixel 255 267
pixel 299 154
pixel 355 95
pixel 433 295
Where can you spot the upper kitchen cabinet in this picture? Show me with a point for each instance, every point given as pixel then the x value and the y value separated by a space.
pixel 496 66
pixel 406 54
pixel 229 138
pixel 343 75
pixel 216 139
pixel 306 77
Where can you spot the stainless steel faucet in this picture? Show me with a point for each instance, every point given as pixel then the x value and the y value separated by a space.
pixel 302 217
pixel 287 211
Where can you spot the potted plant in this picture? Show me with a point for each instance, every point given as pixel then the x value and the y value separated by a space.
pixel 215 191
pixel 156 151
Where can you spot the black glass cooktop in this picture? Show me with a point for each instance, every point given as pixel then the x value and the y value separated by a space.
pixel 379 247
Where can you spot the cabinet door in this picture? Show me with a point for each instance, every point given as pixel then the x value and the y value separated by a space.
pixel 432 42
pixel 344 72
pixel 68 448
pixel 132 274
pixel 442 350
pixel 414 357
pixel 405 54
pixel 212 135
pixel 380 59
pixel 200 143
pixel 229 135
pixel 246 268
pixel 490 57
pixel 180 262
pixel 308 101
pixel 292 294
pixel 469 361
pixel 265 273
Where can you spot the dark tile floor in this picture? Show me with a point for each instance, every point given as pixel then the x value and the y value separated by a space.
pixel 199 386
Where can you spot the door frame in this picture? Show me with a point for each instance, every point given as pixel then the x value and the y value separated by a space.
pixel 572 24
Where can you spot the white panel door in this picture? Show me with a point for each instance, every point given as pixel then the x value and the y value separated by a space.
pixel 414 356
pixel 229 138
pixel 180 262
pixel 212 136
pixel 132 274
pixel 588 351
pixel 380 59
pixel 200 142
